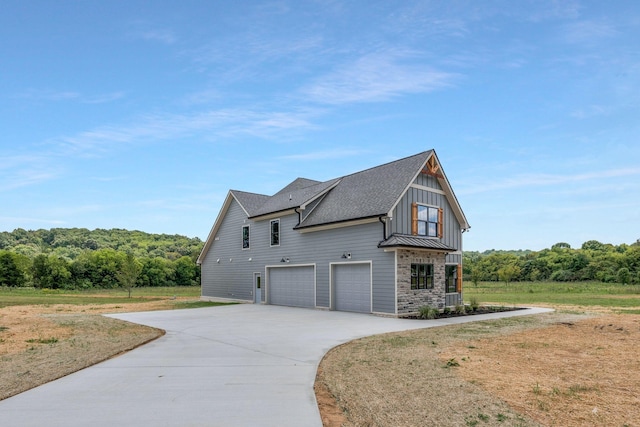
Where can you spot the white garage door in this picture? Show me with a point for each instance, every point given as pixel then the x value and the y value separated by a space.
pixel 352 287
pixel 292 286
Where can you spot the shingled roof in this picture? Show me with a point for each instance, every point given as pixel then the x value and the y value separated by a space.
pixel 366 194
pixel 369 193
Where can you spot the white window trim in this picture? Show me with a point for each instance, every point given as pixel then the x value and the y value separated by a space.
pixel 279 232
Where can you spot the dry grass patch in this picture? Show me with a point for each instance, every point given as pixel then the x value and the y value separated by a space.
pixel 41 343
pixel 582 373
pixel 557 369
pixel 405 379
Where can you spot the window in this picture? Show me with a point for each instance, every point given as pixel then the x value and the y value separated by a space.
pixel 245 237
pixel 426 221
pixel 451 278
pixel 275 232
pixel 421 276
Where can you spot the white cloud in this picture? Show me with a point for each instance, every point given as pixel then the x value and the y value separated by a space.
pixel 54 95
pixel 337 153
pixel 22 171
pixel 376 77
pixel 159 35
pixel 588 32
pixel 539 180
pixel 161 127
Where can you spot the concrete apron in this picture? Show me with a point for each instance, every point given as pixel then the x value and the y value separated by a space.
pixel 241 365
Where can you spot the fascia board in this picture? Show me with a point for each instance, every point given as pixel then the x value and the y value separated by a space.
pixel 339 224
pixel 457 209
pixel 390 213
pixel 449 194
pixel 273 215
pixel 216 226
pixel 320 194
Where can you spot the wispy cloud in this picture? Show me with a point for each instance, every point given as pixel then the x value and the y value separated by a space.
pixel 588 32
pixel 161 127
pixel 159 35
pixel 377 77
pixel 590 111
pixel 337 153
pixel 22 171
pixel 540 180
pixel 57 96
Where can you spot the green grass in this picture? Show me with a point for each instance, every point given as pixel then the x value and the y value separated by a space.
pixel 560 293
pixel 31 296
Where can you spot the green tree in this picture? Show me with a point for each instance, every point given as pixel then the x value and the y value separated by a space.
pixel 51 272
pixel 508 273
pixel 185 271
pixel 128 274
pixel 10 274
pixel 624 276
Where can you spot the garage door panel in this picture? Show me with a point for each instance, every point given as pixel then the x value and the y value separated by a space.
pixel 352 287
pixel 292 286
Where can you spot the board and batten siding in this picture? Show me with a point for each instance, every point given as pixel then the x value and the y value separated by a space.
pixel 401 223
pixel 234 279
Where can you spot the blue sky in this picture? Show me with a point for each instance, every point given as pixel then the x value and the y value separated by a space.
pixel 142 115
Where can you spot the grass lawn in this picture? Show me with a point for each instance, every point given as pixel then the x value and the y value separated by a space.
pixel 31 296
pixel 586 294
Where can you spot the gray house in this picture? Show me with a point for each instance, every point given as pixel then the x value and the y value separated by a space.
pixel 385 240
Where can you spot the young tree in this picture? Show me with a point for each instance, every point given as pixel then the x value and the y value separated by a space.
pixel 509 272
pixel 128 274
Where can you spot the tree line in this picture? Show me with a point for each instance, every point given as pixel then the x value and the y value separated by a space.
pixel 593 261
pixel 78 258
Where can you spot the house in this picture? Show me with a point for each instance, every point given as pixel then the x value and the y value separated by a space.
pixel 385 240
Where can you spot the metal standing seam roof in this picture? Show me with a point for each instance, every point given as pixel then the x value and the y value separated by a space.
pixel 403 240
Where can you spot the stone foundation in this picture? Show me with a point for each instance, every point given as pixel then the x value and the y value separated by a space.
pixel 410 300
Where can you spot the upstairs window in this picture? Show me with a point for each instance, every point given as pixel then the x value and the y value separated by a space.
pixel 245 237
pixel 275 232
pixel 421 276
pixel 426 221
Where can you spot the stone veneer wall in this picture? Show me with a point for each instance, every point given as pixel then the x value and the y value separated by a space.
pixel 410 300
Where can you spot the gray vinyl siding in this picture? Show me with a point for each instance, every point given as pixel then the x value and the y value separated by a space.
pixel 234 279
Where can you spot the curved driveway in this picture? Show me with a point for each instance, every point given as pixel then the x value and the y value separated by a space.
pixel 238 365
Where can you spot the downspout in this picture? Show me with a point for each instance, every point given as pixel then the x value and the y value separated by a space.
pixel 299 215
pixel 384 227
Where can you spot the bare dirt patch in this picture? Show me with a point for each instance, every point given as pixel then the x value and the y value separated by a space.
pixel 554 369
pixel 40 343
pixel 583 373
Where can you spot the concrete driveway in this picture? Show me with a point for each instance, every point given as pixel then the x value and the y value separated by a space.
pixel 239 365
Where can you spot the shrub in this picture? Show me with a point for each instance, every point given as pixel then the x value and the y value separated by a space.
pixel 428 312
pixel 460 309
pixel 474 303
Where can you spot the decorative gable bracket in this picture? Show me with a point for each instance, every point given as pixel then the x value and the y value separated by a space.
pixel 432 168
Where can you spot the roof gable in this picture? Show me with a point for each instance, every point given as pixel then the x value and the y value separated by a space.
pixel 369 193
pixel 293 196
